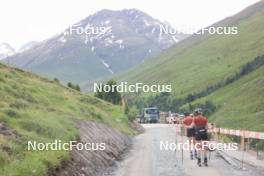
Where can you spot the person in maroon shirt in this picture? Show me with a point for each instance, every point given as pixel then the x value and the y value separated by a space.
pixel 190 132
pixel 200 125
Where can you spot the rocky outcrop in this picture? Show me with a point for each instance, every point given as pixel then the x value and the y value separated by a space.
pixel 91 163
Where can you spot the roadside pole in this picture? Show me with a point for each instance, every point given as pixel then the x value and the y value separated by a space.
pixel 176 142
pixel 182 142
pixel 243 149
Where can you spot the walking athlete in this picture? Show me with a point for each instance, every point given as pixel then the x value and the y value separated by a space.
pixel 201 126
pixel 188 123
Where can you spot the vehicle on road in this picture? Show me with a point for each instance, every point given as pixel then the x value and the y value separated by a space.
pixel 150 115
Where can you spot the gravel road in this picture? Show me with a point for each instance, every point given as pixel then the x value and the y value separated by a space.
pixel 147 159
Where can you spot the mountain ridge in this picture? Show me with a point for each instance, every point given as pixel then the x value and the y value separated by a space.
pixel 133 37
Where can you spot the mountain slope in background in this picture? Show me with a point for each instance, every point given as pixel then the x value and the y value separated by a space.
pixel 6 50
pixel 28 46
pixel 204 60
pixel 129 37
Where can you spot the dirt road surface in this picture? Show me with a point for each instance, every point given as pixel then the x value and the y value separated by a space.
pixel 147 159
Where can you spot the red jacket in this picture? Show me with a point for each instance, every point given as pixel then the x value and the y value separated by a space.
pixel 187 121
pixel 200 121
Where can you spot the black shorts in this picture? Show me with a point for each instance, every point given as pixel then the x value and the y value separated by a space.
pixel 201 134
pixel 190 132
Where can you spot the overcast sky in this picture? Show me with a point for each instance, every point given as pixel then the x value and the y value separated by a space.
pixel 26 20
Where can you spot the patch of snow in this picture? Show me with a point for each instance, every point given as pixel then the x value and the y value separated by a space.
pixel 119 41
pixel 107 22
pixel 92 48
pixel 62 39
pixel 107 66
pixel 157 23
pixel 175 39
pixel 121 46
pixel 66 32
pixel 108 40
pixel 111 71
pixel 88 25
pixel 150 51
pixel 146 22
pixel 153 30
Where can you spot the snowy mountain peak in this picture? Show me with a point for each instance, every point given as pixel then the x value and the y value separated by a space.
pixel 108 26
pixel 106 42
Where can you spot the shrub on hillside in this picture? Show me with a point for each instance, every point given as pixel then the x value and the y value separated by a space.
pixel 132 113
pixel 75 87
pixel 112 96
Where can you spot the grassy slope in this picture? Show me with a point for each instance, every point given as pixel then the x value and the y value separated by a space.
pixel 42 110
pixel 241 104
pixel 203 60
pixel 200 61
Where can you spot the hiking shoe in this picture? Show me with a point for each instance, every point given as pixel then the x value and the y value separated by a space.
pixel 205 162
pixel 199 162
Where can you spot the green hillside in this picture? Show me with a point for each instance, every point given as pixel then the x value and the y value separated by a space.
pixel 42 110
pixel 202 61
pixel 240 104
